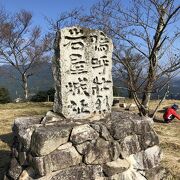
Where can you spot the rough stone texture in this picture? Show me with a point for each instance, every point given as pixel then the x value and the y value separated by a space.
pixel 130 145
pixel 57 160
pixel 83 133
pixel 158 173
pixel 80 173
pixel 47 139
pixel 123 147
pixel 15 169
pixel 115 167
pixel 146 159
pixel 82 72
pixel 24 127
pixel 99 153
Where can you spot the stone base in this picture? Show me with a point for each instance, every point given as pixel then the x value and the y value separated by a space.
pixel 123 147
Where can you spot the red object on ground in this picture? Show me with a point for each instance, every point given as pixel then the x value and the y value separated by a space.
pixel 169 112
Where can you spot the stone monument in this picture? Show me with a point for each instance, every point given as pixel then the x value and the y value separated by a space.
pixel 81 139
pixel 84 64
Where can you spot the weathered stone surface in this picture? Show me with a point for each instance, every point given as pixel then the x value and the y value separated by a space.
pixel 22 158
pixel 130 145
pixel 23 128
pixel 57 160
pixel 130 174
pixel 115 167
pixel 83 133
pixel 83 75
pixel 27 174
pixel 83 148
pixel 70 149
pixel 158 173
pixel 146 159
pixel 52 117
pixel 121 128
pixel 102 130
pixel 140 127
pixel 80 173
pixel 100 153
pixel 15 169
pixel 149 139
pixel 47 139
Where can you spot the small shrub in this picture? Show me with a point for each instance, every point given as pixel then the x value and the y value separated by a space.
pixel 43 96
pixel 4 96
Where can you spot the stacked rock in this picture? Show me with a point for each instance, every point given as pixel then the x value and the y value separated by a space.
pixel 121 147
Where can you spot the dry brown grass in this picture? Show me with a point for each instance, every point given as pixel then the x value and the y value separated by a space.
pixel 169 133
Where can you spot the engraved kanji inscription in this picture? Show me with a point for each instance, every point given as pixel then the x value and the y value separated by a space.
pixel 85 74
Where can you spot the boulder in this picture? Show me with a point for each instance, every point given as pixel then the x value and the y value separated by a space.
pixel 158 173
pixel 146 159
pixel 129 145
pixel 100 153
pixel 81 173
pixel 15 169
pixel 119 130
pixel 57 160
pixel 130 174
pixel 23 128
pixel 47 139
pixel 115 167
pixel 83 133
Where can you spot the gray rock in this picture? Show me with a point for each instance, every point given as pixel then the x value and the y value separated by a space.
pixel 27 174
pixel 14 152
pixel 22 158
pixel 148 139
pixel 115 167
pixel 130 174
pixel 83 133
pixel 102 130
pixel 100 153
pixel 116 150
pixel 147 159
pixel 81 173
pixel 158 173
pixel 52 117
pixel 130 145
pixel 83 148
pixel 56 160
pixel 120 129
pixel 47 139
pixel 23 128
pixel 140 127
pixel 15 169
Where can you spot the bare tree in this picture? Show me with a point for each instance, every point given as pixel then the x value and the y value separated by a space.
pixel 128 68
pixel 147 26
pixel 22 46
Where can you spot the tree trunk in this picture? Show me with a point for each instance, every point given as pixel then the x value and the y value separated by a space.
pixel 150 83
pixel 25 86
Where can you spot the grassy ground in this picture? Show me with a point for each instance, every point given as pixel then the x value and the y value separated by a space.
pixel 169 133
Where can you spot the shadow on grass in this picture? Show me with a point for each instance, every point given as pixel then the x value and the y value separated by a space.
pixel 7 138
pixel 158 120
pixel 161 111
pixel 5 157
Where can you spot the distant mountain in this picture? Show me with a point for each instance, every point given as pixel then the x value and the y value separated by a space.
pixel 43 80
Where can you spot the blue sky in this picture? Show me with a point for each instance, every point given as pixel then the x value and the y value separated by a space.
pixel 42 8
